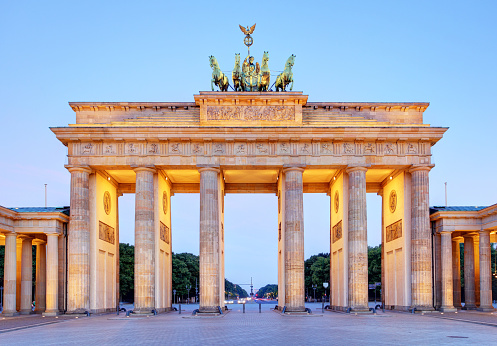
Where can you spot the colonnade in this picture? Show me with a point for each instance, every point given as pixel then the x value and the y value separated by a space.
pixel 477 271
pixel 18 282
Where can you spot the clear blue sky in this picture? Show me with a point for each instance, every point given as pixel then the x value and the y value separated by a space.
pixel 53 52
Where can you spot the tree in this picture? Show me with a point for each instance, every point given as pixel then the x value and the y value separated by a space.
pixel 233 291
pixel 268 291
pixel 126 272
pixel 317 271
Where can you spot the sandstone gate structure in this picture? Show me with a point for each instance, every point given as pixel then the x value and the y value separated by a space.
pixel 241 143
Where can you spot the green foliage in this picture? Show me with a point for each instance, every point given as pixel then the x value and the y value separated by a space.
pixel 126 272
pixel 374 264
pixel 185 273
pixel 317 271
pixel 233 291
pixel 268 291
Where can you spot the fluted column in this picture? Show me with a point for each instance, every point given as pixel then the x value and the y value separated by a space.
pixel 209 240
pixel 421 262
pixel 78 249
pixel 358 240
pixel 456 273
pixel 294 240
pixel 469 274
pixel 485 272
pixel 27 276
pixel 447 284
pixel 41 282
pixel 52 300
pixel 10 275
pixel 144 241
pixel 476 262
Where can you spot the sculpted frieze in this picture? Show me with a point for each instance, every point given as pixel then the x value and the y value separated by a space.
pixel 131 148
pixel 284 148
pixel 218 149
pixel 348 148
pixel 262 149
pixel 251 113
pixel 369 148
pixel 87 149
pixel 197 148
pixel 153 148
pixel 175 148
pixel 109 149
pixel 240 149
pixel 326 148
pixel 390 149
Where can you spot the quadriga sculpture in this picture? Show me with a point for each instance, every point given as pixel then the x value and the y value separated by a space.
pixel 285 77
pixel 264 74
pixel 218 77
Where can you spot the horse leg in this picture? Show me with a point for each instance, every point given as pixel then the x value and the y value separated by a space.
pixel 291 88
pixel 212 84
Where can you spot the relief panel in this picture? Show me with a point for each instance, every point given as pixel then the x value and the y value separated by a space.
pixel 251 113
pixel 106 233
pixel 394 231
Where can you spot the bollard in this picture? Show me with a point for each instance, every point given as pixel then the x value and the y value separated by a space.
pixel 243 307
pixel 259 307
pixel 322 307
pixel 179 308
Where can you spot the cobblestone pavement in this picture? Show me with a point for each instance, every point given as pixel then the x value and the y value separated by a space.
pixel 263 328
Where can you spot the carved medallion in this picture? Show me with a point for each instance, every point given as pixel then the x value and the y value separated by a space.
pixel 392 202
pixel 164 202
pixel 336 201
pixel 107 202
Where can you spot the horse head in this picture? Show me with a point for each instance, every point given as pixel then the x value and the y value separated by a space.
pixel 291 60
pixel 265 56
pixel 213 61
pixel 237 60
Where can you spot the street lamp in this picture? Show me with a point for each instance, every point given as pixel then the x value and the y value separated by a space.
pixel 196 291
pixel 314 288
pixel 174 299
pixel 188 287
pixel 325 285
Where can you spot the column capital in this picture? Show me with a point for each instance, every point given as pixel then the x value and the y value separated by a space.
pixel 208 168
pixel 84 169
pixel 351 169
pixel 52 234
pixel 293 168
pixel 483 231
pixel 144 169
pixel 415 168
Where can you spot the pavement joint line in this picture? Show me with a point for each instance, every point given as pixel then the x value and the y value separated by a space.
pixel 467 321
pixel 30 326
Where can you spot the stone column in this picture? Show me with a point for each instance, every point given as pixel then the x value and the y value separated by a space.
pixel 358 240
pixel 52 275
pixel 41 281
pixel 209 240
pixel 456 273
pixel 421 261
pixel 383 262
pixel 10 276
pixel 437 246
pixel 144 241
pixel 476 262
pixel 294 240
pixel 485 272
pixel 469 274
pixel 27 276
pixel 447 284
pixel 78 250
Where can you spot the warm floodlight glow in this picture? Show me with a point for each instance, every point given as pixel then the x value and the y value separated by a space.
pixel 391 178
pixel 108 178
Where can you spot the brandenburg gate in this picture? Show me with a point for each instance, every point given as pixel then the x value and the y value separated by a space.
pixel 249 142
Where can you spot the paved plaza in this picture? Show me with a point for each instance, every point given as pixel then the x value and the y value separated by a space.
pixel 253 327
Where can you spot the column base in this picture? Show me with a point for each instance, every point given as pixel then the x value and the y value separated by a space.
pixel 143 311
pixel 423 309
pixel 447 309
pixel 27 312
pixel 10 313
pixel 469 307
pixel 78 312
pixel 489 308
pixel 209 310
pixel 51 313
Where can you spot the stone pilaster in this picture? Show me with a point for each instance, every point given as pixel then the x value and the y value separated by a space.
pixel 469 274
pixel 209 240
pixel 144 241
pixel 383 263
pixel 52 300
pixel 476 262
pixel 437 246
pixel 456 273
pixel 358 241
pixel 41 278
pixel 294 240
pixel 447 284
pixel 10 275
pixel 485 272
pixel 27 276
pixel 78 249
pixel 421 261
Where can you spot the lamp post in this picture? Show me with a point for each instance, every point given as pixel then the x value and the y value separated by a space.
pixel 188 287
pixel 314 288
pixel 325 285
pixel 196 291
pixel 1 298
pixel 174 299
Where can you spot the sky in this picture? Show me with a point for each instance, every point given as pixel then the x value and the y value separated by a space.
pixel 54 52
